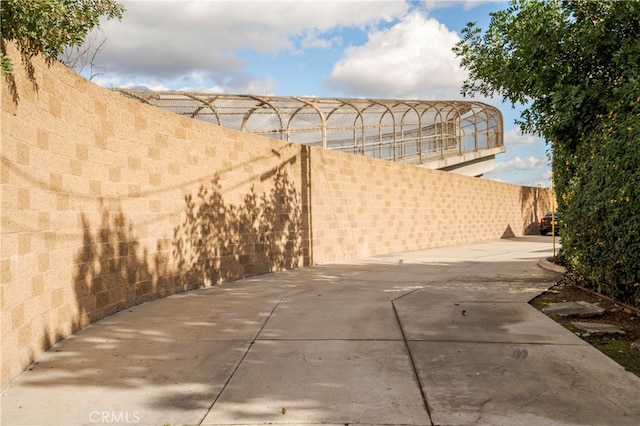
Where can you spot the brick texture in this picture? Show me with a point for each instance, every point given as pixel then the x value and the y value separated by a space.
pixel 107 203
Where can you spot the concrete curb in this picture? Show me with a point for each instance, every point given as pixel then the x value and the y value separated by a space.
pixel 545 264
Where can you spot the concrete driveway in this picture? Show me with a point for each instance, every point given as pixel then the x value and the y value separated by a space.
pixel 435 337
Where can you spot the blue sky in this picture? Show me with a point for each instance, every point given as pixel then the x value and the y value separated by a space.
pixel 347 48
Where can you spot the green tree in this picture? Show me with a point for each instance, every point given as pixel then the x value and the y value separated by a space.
pixel 575 65
pixel 48 27
pixel 561 59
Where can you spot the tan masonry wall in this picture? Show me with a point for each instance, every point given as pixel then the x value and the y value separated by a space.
pixel 107 203
pixel 365 207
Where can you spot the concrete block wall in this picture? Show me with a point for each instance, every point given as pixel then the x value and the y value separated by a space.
pixel 107 203
pixel 364 207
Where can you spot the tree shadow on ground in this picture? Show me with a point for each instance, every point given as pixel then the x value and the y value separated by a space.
pixel 169 361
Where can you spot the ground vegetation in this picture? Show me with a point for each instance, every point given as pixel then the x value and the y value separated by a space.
pixel 623 348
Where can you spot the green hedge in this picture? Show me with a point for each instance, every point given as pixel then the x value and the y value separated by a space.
pixel 599 190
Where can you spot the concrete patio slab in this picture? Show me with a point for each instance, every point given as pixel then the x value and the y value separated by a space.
pixel 90 380
pixel 433 337
pixel 353 289
pixel 301 382
pixel 332 319
pixel 422 318
pixel 210 315
pixel 479 291
pixel 521 384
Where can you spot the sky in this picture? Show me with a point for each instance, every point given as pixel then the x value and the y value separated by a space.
pixel 340 48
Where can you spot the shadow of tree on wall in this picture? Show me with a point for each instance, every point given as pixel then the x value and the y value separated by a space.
pixel 113 270
pixel 535 203
pixel 219 242
pixel 215 242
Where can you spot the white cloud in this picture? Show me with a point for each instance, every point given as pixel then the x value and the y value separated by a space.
pixel 515 137
pixel 412 59
pixel 111 81
pixel 466 4
pixel 171 38
pixel 265 86
pixel 313 40
pixel 198 77
pixel 543 180
pixel 147 86
pixel 202 89
pixel 115 81
pixel 529 171
pixel 517 163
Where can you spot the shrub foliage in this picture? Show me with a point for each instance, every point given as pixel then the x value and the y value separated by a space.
pixel 600 201
pixel 575 65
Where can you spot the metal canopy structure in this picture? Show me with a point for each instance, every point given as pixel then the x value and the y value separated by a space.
pixel 411 131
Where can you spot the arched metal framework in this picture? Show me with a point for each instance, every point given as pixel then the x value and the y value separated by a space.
pixel 411 131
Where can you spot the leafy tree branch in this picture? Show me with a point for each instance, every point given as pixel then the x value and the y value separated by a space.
pixel 48 27
pixel 575 66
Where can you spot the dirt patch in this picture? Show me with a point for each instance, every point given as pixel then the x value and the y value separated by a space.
pixel 617 347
